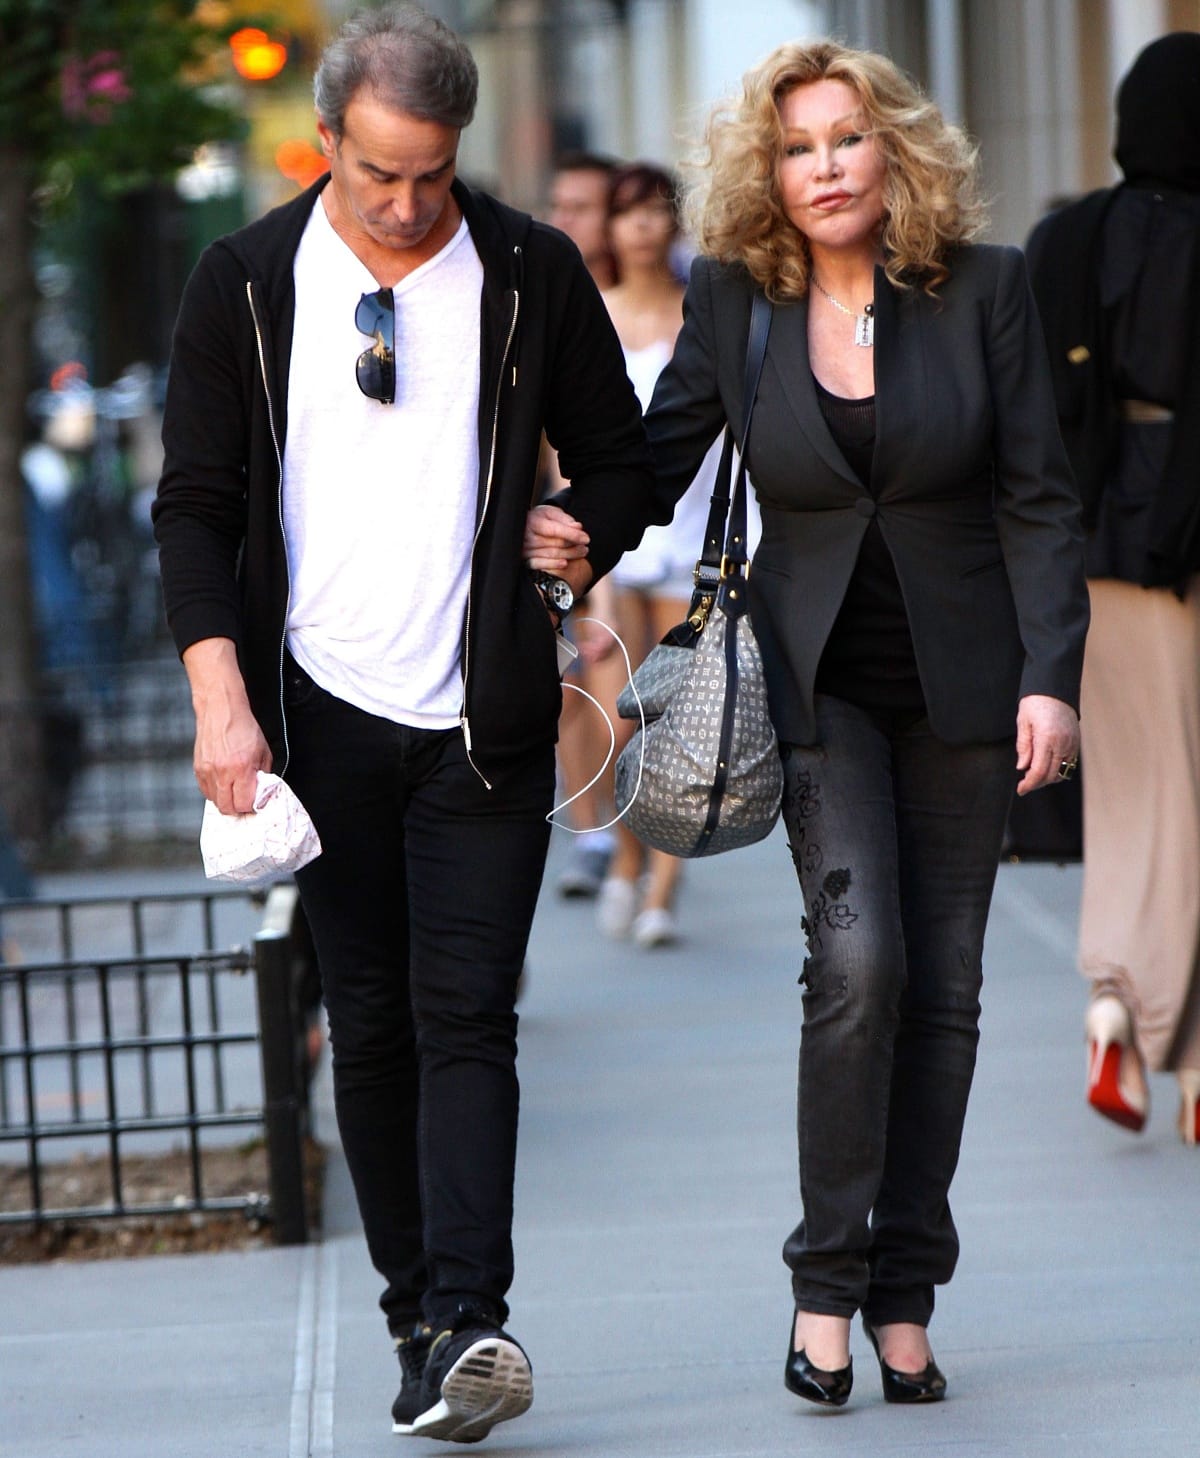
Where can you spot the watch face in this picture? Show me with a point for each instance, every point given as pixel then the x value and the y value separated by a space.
pixel 556 591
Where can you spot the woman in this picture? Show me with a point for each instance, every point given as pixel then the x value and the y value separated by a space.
pixel 654 582
pixel 1117 276
pixel 918 588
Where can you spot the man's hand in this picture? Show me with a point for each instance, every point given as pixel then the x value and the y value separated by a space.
pixel 554 542
pixel 1047 740
pixel 230 747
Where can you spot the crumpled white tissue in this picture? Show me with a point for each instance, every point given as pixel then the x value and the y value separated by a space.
pixel 277 836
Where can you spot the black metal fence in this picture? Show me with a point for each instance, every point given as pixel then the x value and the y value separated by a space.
pixel 114 755
pixel 111 1044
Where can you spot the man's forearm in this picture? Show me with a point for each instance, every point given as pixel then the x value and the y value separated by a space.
pixel 579 574
pixel 230 747
pixel 213 670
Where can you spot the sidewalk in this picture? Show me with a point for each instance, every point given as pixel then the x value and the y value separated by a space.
pixel 656 1184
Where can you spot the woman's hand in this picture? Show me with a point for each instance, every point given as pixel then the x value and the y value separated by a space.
pixel 553 540
pixel 594 644
pixel 1047 741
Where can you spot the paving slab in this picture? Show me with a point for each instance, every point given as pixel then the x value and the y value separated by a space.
pixel 656 1184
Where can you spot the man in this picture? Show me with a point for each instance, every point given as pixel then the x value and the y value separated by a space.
pixel 358 387
pixel 579 207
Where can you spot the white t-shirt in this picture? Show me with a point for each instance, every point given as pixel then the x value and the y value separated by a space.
pixel 379 501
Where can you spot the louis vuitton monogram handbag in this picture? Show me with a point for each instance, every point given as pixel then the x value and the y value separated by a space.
pixel 703 774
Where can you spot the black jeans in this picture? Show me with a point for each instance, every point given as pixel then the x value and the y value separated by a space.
pixel 896 837
pixel 420 907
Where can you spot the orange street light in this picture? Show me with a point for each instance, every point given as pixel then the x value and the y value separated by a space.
pixel 256 57
pixel 300 162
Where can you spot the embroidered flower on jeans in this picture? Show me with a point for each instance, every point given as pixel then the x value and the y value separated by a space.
pixel 806 854
pixel 827 909
pixel 804 795
pixel 837 883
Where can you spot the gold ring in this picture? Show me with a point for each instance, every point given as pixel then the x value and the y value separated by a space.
pixel 1067 767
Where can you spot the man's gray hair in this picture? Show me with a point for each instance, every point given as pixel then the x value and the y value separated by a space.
pixel 406 59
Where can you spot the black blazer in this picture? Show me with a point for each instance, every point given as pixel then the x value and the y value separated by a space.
pixel 972 488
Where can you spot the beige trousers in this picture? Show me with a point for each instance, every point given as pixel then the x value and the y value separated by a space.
pixel 1139 928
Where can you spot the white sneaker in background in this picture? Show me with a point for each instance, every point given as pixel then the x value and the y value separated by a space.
pixel 655 927
pixel 616 907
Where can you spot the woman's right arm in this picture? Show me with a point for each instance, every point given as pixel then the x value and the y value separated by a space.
pixel 686 415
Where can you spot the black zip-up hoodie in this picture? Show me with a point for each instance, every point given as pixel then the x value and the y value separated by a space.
pixel 549 360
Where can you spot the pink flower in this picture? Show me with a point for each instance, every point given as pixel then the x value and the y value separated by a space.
pixel 91 87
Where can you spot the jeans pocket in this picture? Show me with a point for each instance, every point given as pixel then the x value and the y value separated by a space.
pixel 298 689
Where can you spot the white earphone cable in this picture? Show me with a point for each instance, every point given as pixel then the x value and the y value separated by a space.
pixel 612 742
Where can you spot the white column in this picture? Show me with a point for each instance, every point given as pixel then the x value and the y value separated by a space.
pixel 654 134
pixel 1052 81
pixel 943 27
pixel 1132 24
pixel 728 38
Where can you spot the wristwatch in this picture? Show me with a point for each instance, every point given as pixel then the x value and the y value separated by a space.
pixel 556 592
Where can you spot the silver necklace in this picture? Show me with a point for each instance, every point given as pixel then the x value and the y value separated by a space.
pixel 864 323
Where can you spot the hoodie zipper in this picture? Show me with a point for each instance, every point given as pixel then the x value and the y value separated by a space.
pixel 487 496
pixel 262 365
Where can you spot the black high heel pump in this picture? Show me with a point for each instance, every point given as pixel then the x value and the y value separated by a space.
pixel 830 1389
pixel 928 1385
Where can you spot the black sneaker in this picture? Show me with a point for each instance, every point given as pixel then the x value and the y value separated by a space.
pixel 413 1351
pixel 475 1377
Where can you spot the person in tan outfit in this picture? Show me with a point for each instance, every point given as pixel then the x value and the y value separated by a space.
pixel 1117 279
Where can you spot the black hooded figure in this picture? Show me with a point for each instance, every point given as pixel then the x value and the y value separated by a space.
pixel 1117 281
pixel 1118 286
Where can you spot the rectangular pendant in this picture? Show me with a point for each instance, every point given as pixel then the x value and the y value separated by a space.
pixel 864 331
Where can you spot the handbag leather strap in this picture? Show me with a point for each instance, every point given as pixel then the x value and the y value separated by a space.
pixel 725 531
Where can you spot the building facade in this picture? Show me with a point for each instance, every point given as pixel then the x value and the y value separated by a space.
pixel 1032 80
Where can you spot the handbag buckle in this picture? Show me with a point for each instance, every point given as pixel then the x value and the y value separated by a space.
pixel 698 618
pixel 730 568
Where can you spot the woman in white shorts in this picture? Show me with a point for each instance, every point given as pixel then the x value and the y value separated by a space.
pixel 654 582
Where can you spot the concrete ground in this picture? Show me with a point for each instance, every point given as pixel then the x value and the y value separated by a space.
pixel 656 1184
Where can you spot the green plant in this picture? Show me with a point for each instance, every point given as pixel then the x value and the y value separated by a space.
pixel 114 92
pixel 97 98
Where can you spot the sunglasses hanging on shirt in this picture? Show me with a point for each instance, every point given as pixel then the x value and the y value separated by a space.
pixel 375 370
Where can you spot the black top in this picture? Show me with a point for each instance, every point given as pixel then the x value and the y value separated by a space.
pixel 868 658
pixel 1117 280
pixel 971 485
pixel 1148 256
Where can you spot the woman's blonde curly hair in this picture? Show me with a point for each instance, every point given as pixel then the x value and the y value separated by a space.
pixel 931 202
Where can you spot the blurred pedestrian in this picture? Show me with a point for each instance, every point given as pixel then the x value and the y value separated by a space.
pixel 15 882
pixel 653 583
pixel 579 208
pixel 920 603
pixel 359 385
pixel 1117 277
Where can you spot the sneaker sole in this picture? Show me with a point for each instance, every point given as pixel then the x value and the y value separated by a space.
pixel 490 1383
pixel 578 890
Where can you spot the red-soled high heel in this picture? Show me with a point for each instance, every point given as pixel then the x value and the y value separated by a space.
pixel 1189 1108
pixel 1110 1033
